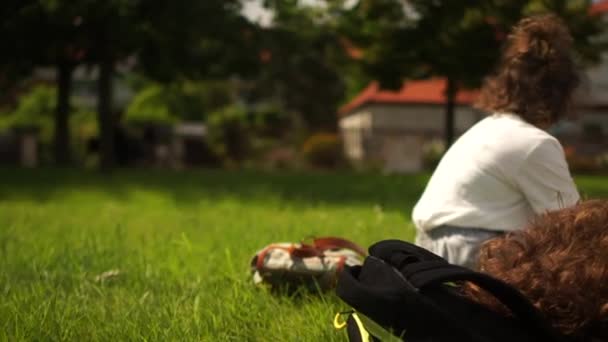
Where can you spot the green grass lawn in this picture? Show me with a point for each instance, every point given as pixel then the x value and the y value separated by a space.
pixel 181 243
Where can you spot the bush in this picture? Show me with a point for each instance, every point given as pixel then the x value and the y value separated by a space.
pixel 169 103
pixel 323 150
pixel 270 121
pixel 579 163
pixel 151 105
pixel 432 152
pixel 34 109
pixel 229 134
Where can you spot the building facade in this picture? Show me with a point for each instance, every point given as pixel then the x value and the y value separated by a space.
pixel 391 129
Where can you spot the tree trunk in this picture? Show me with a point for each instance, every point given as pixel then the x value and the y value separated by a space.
pixel 450 104
pixel 62 114
pixel 104 114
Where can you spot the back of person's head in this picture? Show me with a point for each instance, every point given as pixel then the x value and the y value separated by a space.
pixel 560 263
pixel 537 75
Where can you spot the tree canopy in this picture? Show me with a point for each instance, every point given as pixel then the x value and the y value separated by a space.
pixel 167 40
pixel 305 60
pixel 455 40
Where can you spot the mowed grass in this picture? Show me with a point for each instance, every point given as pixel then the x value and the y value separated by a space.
pixel 180 246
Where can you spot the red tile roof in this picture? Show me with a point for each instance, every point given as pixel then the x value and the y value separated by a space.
pixel 430 91
pixel 599 7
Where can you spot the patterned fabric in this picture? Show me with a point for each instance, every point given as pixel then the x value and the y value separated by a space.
pixel 293 265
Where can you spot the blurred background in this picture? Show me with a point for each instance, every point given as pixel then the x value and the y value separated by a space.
pixel 275 84
pixel 148 148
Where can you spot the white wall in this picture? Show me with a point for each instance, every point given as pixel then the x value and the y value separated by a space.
pixel 353 129
pixel 420 118
pixel 395 134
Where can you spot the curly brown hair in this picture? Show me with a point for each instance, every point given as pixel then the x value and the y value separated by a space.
pixel 536 76
pixel 560 263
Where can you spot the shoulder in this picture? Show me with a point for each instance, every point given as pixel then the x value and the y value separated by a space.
pixel 523 134
pixel 546 147
pixel 544 151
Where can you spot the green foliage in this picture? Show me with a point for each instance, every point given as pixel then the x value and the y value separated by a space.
pixel 302 69
pixel 178 101
pixel 456 40
pixel 253 136
pixel 229 133
pixel 181 243
pixel 270 121
pixel 196 40
pixel 323 150
pixel 34 109
pixel 432 153
pixel 150 105
pixel 169 40
pixel 452 39
pixel 83 125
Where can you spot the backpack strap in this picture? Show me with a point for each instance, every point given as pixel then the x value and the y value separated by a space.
pixel 428 273
pixel 422 268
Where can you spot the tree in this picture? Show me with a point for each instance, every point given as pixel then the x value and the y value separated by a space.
pixel 12 67
pixel 302 55
pixel 46 33
pixel 185 100
pixel 170 40
pixel 457 40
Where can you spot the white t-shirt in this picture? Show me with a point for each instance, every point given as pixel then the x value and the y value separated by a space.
pixel 496 176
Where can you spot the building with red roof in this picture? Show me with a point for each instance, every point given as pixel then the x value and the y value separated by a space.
pixel 425 92
pixel 392 128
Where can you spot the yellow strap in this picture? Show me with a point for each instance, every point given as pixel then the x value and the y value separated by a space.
pixel 375 329
pixel 342 324
pixel 362 331
pixel 366 327
pixel 337 324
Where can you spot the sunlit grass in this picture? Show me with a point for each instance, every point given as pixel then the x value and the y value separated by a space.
pixel 178 247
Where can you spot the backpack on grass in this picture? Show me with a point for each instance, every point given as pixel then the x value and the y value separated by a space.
pixel 404 292
pixel 290 266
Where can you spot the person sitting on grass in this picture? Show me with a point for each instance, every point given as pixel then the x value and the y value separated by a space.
pixel 506 168
pixel 560 263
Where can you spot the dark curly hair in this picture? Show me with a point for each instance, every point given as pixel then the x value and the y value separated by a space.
pixel 536 76
pixel 560 263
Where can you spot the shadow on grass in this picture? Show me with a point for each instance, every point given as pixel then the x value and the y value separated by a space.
pixel 395 192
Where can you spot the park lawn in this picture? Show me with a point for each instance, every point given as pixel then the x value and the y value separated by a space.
pixel 181 243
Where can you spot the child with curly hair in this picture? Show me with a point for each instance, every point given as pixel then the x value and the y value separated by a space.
pixel 560 263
